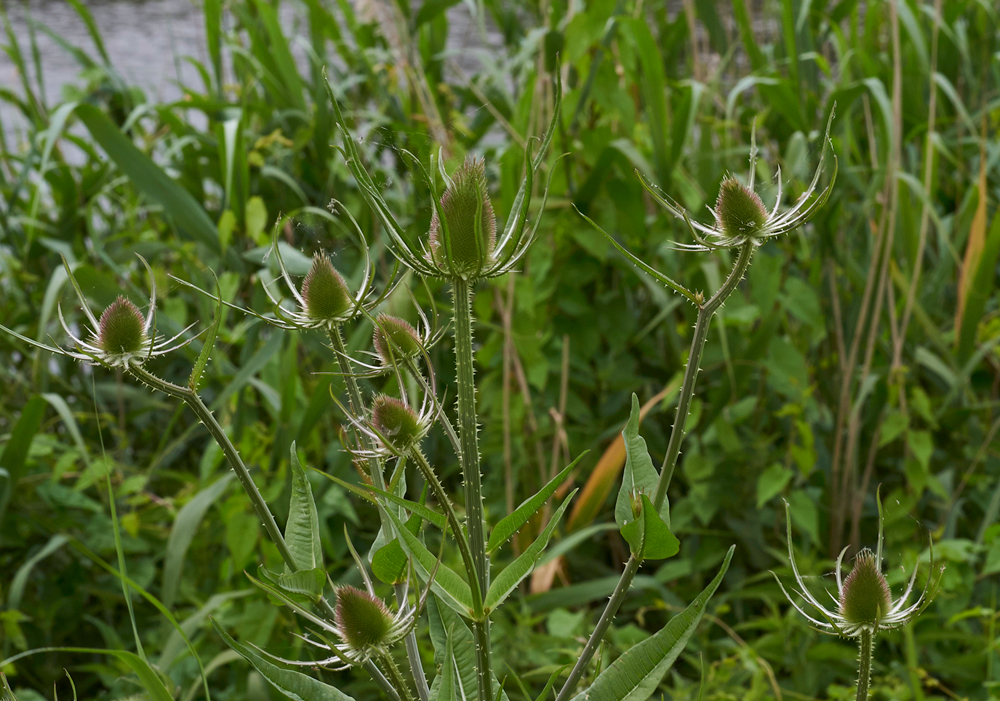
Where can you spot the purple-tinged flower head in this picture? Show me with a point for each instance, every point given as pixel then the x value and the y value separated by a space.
pixel 395 339
pixel 363 618
pixel 121 329
pixel 463 243
pixel 324 291
pixel 397 424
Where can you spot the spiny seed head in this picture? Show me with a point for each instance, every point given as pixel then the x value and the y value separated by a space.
pixel 865 598
pixel 739 209
pixel 395 421
pixel 324 290
pixel 405 341
pixel 470 243
pixel 121 328
pixel 363 619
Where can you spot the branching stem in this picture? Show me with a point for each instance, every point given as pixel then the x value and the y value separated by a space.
pixel 705 313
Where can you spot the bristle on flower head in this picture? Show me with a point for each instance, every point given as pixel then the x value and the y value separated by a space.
pixel 405 342
pixel 739 210
pixel 324 290
pixel 466 247
pixel 865 598
pixel 363 619
pixel 396 422
pixel 121 328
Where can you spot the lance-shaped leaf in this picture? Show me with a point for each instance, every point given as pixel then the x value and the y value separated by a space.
pixel 520 568
pixel 206 350
pixel 447 584
pixel 639 474
pixel 509 525
pixel 295 685
pixel 366 492
pixel 302 528
pixel 635 675
pixel 648 536
pixel 389 563
pixel 443 624
pixel 448 684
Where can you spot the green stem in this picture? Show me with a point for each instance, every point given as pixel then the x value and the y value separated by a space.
pixel 395 678
pixel 864 664
pixel 705 313
pixel 193 400
pixel 453 523
pixel 376 470
pixel 468 428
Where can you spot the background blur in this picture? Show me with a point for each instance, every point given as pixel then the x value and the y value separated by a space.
pixel 860 351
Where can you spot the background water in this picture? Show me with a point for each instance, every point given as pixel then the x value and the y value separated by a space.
pixel 147 40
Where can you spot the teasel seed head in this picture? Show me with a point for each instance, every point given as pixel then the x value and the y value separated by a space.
pixel 739 210
pixel 324 290
pixel 396 422
pixel 466 248
pixel 363 619
pixel 121 328
pixel 865 599
pixel 405 342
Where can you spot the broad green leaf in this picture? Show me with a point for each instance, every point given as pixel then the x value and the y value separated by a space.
pixel 182 533
pixel 447 584
pixel 771 482
pixel 444 624
pixel 639 474
pixel 302 528
pixel 635 675
pixel 516 571
pixel 648 536
pixel 149 178
pixel 389 562
pixel 308 583
pixel 509 525
pixel 448 685
pixel 295 685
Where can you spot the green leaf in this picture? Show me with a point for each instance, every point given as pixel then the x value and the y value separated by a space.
pixel 445 624
pixel 309 583
pixel 366 491
pixel 516 571
pixel 182 533
pixel 635 675
pixel 16 451
pixel 302 528
pixel 389 562
pixel 448 684
pixel 149 178
pixel 648 536
pixel 981 289
pixel 295 685
pixel 639 474
pixel 771 482
pixel 447 584
pixel 509 525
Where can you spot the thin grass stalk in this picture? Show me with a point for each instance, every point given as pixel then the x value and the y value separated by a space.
pixel 468 429
pixel 849 485
pixel 705 313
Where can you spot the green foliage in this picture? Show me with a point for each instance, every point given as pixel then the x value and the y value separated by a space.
pixel 844 361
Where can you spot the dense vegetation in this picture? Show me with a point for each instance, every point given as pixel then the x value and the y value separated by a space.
pixel 860 350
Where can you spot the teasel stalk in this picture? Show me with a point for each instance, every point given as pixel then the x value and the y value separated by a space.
pixel 741 223
pixel 474 251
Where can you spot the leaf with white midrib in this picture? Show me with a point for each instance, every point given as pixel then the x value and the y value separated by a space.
pixel 635 675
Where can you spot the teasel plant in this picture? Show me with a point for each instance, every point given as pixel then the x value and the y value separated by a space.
pixel 863 605
pixel 741 224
